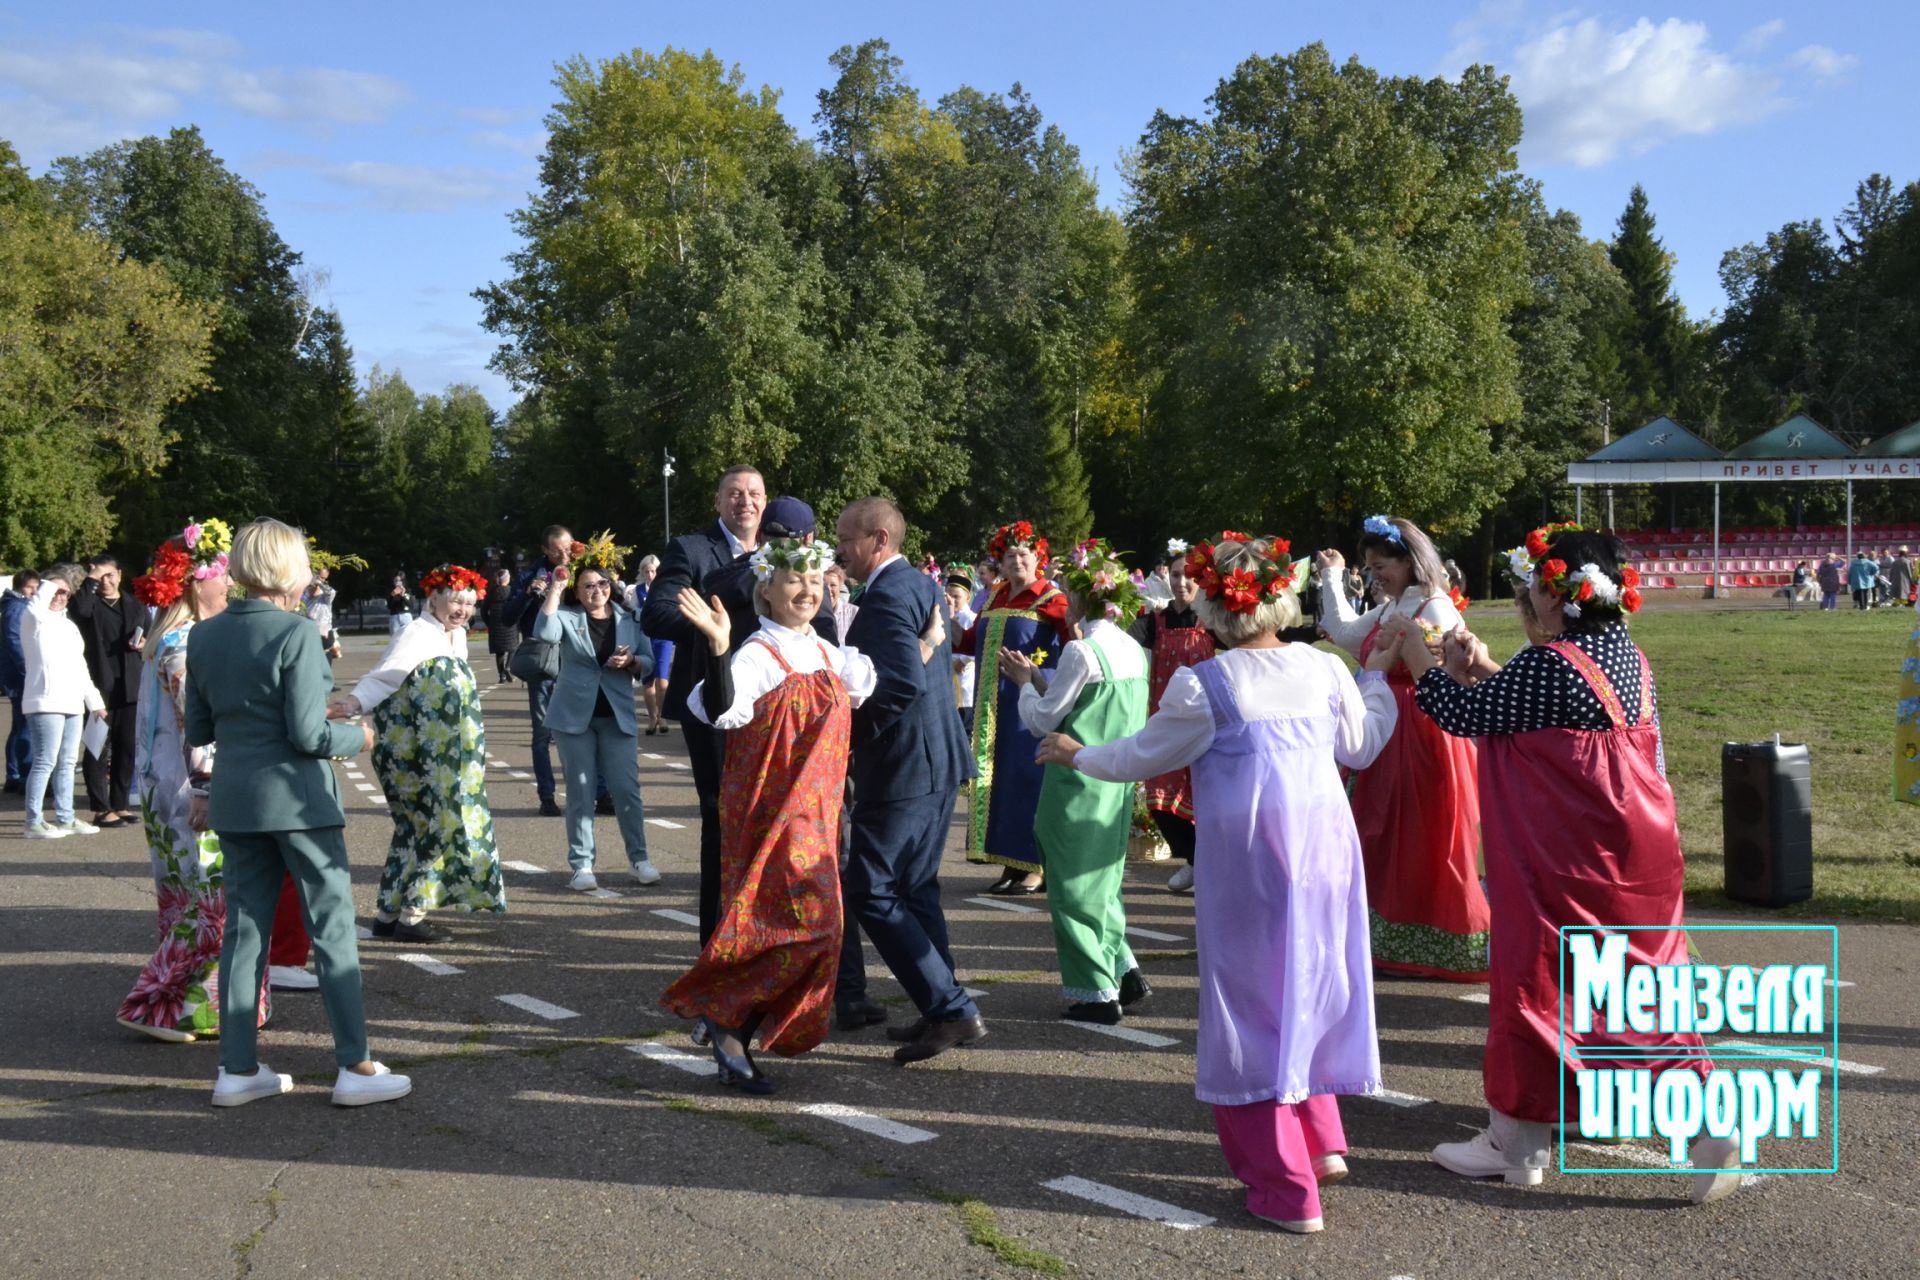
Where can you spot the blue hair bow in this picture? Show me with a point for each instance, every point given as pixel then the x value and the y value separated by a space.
pixel 1382 527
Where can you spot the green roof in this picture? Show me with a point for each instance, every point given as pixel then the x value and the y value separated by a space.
pixel 1904 443
pixel 1662 440
pixel 1797 437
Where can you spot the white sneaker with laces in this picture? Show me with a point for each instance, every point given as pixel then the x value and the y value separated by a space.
pixel 41 831
pixel 351 1089
pixel 236 1091
pixel 583 882
pixel 1481 1159
pixel 1182 881
pixel 78 828
pixel 645 873
pixel 284 977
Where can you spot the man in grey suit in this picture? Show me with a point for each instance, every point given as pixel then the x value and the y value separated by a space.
pixel 909 760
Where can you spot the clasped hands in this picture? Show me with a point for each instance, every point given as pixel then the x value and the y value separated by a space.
pixel 1402 639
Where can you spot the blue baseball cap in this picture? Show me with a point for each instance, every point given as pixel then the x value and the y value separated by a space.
pixel 787 517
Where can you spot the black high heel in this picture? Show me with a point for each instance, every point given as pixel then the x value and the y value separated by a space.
pixel 736 1072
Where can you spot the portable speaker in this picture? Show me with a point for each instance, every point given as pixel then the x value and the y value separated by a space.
pixel 1766 811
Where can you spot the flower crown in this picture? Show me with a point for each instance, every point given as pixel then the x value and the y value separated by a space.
pixel 456 578
pixel 598 552
pixel 196 553
pixel 1245 589
pixel 1381 527
pixel 1177 548
pixel 1018 534
pixel 1587 584
pixel 1095 574
pixel 795 555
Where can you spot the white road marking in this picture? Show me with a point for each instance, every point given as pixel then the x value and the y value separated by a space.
pixel 867 1122
pixel 1005 906
pixel 364 786
pixel 1652 1159
pixel 537 1007
pixel 668 823
pixel 429 964
pixel 1477 997
pixel 678 917
pixel 515 773
pixel 974 992
pixel 651 755
pixel 692 1064
pixel 1127 1202
pixel 1396 1099
pixel 1155 935
pixel 1837 982
pixel 675 764
pixel 1851 1068
pixel 602 893
pixel 523 866
pixel 1147 1038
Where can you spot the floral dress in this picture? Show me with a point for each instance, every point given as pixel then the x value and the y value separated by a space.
pixel 430 753
pixel 178 990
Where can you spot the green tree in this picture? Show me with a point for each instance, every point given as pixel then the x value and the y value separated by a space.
pixel 1654 338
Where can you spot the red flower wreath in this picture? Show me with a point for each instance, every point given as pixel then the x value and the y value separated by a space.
pixel 453 577
pixel 166 580
pixel 1244 589
pixel 1018 534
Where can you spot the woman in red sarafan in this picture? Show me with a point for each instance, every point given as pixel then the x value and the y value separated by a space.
pixel 786 703
pixel 1579 830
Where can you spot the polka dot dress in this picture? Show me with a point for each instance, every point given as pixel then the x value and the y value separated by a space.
pixel 1539 689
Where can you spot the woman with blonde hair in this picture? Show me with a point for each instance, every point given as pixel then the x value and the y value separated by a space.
pixel 1417 806
pixel 430 752
pixel 257 686
pixel 1286 990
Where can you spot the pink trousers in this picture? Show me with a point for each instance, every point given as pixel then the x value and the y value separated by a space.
pixel 1271 1146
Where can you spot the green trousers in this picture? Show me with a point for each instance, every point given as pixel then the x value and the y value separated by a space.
pixel 256 862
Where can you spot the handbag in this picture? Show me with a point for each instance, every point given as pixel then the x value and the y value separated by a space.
pixel 535 660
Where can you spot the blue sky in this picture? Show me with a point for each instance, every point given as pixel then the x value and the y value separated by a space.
pixel 392 140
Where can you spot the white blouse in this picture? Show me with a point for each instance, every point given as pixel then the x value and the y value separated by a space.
pixel 1290 681
pixel 1350 630
pixel 1077 669
pixel 756 673
pixel 419 641
pixel 54 657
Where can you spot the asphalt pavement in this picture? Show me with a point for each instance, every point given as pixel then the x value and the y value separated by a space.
pixel 562 1125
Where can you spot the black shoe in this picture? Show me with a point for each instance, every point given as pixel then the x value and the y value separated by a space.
pixel 909 1033
pixel 1134 988
pixel 1021 889
pixel 603 805
pixel 422 933
pixel 1106 1013
pixel 1006 882
pixel 384 928
pixel 940 1037
pixel 856 1014
pixel 16 786
pixel 737 1072
pixel 548 809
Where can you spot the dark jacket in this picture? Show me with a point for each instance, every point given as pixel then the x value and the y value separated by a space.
pixel 503 631
pixel 115 668
pixel 907 738
pixel 13 666
pixel 688 561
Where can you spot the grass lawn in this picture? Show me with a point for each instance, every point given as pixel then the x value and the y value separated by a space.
pixel 1744 674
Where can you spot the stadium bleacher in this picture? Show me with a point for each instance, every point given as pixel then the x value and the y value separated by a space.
pixel 1749 557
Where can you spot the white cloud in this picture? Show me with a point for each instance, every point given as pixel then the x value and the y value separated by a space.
pixel 317 94
pixel 527 145
pixel 1761 36
pixel 1473 37
pixel 1823 62
pixel 1591 92
pixel 404 188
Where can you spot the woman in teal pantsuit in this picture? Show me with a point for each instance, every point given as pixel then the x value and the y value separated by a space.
pixel 257 686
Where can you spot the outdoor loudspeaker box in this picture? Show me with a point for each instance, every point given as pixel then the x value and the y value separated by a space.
pixel 1766 808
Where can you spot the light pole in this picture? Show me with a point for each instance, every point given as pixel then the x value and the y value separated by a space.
pixel 1606 438
pixel 666 495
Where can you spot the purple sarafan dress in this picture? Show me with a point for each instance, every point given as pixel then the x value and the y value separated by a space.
pixel 1286 983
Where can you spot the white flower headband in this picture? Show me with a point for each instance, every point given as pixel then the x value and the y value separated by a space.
pixel 1176 548
pixel 792 555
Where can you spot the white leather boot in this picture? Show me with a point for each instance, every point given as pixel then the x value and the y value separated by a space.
pixel 1516 1150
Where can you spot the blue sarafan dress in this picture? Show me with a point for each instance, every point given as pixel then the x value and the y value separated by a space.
pixel 1006 794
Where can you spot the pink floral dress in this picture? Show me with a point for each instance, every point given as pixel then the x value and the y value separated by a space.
pixel 179 989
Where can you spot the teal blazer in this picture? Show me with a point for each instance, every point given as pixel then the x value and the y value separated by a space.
pixel 582 676
pixel 257 686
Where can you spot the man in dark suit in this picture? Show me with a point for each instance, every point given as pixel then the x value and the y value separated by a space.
pixel 739 500
pixel 909 760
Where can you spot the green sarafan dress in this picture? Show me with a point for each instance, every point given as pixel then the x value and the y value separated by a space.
pixel 430 754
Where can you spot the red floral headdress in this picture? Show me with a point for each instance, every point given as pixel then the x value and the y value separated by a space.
pixel 1018 534
pixel 1587 584
pixel 197 552
pixel 453 577
pixel 1246 588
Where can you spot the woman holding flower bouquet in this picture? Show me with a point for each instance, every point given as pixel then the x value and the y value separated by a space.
pixel 1579 828
pixel 1286 991
pixel 1028 614
pixel 1098 693
pixel 1417 806
pixel 430 752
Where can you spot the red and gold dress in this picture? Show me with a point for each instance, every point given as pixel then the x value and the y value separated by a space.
pixel 1176 640
pixel 776 949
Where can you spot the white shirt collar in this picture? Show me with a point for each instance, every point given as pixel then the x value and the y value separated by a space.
pixel 882 567
pixel 1091 627
pixel 785 635
pixel 737 547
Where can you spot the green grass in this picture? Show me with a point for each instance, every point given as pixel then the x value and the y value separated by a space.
pixel 1741 675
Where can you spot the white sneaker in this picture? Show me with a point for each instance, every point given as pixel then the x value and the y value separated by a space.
pixel 1302 1226
pixel 1182 881
pixel 1719 1160
pixel 351 1089
pixel 583 882
pixel 41 831
pixel 284 977
pixel 237 1091
pixel 1481 1159
pixel 645 873
pixel 78 828
pixel 1329 1168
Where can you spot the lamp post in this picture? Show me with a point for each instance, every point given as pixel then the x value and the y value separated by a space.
pixel 666 495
